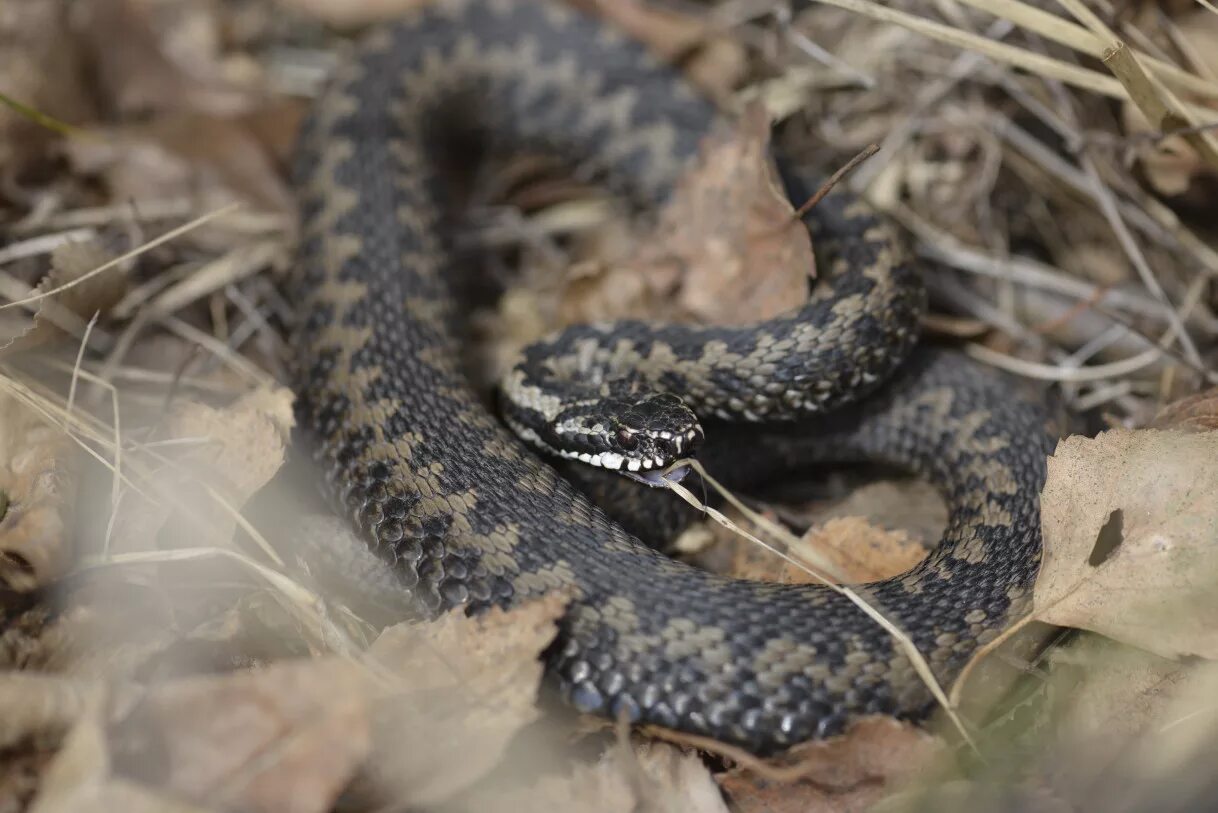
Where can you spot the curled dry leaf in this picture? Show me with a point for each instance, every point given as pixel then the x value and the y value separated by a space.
pixel 1131 539
pixel 727 247
pixel 216 459
pixel 38 481
pixel 462 688
pixel 850 772
pixel 70 310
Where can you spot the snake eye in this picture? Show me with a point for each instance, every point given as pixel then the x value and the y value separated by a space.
pixel 626 439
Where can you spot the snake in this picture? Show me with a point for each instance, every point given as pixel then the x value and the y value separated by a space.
pixel 463 497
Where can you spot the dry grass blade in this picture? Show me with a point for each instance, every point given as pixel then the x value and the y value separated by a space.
pixel 303 603
pixel 172 234
pixel 904 641
pixel 1039 64
pixel 1159 105
pixel 1052 27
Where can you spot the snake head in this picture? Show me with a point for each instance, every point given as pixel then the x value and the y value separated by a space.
pixel 637 435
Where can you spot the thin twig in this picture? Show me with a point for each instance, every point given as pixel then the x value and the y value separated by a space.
pixel 834 180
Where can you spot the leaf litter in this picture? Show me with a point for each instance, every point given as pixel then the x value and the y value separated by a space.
pixel 181 677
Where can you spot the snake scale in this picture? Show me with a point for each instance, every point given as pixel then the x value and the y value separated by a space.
pixel 470 514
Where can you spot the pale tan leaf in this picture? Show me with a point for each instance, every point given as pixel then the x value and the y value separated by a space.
pixel 1149 578
pixel 217 458
pixel 468 686
pixel 647 776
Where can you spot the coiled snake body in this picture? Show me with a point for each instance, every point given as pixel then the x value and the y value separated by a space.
pixel 472 515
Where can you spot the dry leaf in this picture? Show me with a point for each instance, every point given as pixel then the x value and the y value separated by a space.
pixel 136 74
pixel 648 776
pixel 205 157
pixel 1197 413
pixel 726 249
pixel 1125 730
pixel 70 310
pixel 960 795
pixel 217 459
pixel 470 684
pixel 117 794
pixel 851 549
pixel 40 68
pixel 40 705
pixel 285 738
pixel 850 772
pixel 859 551
pixel 38 481
pixel 1131 539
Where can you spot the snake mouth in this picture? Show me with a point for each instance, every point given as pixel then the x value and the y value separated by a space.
pixel 663 448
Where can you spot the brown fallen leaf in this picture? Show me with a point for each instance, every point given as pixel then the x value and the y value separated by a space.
pixel 652 776
pixel 1131 539
pixel 846 773
pixel 71 309
pixel 859 551
pixel 463 687
pixel 854 550
pixel 136 74
pixel 288 737
pixel 205 157
pixel 41 69
pixel 726 249
pixel 1196 413
pixel 38 482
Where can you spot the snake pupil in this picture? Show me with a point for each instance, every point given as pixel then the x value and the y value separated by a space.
pixel 626 439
